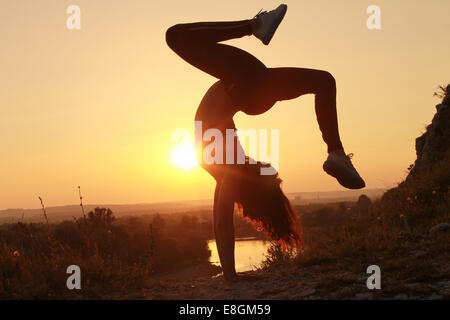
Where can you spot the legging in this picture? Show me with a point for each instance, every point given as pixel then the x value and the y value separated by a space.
pixel 251 85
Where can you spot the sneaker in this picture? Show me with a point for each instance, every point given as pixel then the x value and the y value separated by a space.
pixel 268 23
pixel 341 167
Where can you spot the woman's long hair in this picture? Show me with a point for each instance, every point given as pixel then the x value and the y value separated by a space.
pixel 261 200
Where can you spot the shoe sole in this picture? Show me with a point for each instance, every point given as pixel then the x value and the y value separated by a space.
pixel 338 174
pixel 266 40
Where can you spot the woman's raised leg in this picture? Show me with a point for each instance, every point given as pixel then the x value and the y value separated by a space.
pixel 198 44
pixel 290 83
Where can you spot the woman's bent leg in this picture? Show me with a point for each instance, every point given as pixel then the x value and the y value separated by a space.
pixel 197 43
pixel 290 83
pixel 211 32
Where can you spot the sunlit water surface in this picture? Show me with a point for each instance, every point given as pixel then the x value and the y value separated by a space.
pixel 249 253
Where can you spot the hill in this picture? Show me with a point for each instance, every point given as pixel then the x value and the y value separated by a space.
pixel 60 213
pixel 406 233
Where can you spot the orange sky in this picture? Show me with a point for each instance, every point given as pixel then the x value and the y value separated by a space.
pixel 96 107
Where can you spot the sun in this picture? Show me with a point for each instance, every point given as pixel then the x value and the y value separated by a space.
pixel 183 156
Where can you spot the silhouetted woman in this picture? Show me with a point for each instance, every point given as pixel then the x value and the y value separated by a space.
pixel 246 84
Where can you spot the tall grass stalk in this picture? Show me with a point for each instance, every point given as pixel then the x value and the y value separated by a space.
pixel 81 202
pixel 43 209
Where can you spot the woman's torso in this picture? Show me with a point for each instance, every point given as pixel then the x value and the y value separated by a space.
pixel 216 111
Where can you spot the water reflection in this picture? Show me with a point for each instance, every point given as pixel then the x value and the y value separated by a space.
pixel 249 253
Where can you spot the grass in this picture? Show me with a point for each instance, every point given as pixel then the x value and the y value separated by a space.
pixel 115 255
pixel 118 257
pixel 121 256
pixel 393 233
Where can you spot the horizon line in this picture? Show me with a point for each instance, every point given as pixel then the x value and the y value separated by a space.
pixel 181 201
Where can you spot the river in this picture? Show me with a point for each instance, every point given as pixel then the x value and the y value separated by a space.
pixel 248 252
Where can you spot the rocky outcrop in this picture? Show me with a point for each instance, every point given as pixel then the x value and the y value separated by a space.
pixel 446 94
pixel 434 144
pixel 440 228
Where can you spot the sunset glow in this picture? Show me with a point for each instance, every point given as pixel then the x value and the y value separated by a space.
pixel 183 156
pixel 112 92
pixel 258 154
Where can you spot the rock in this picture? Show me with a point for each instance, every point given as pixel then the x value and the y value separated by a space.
pixel 418 253
pixel 446 99
pixel 413 285
pixel 443 284
pixel 440 228
pixel 346 291
pixel 434 143
pixel 401 296
pixel 435 296
pixel 306 292
pixel 436 264
pixel 364 296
